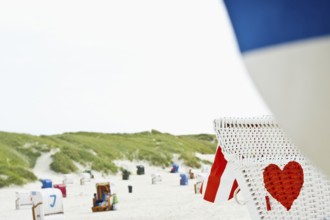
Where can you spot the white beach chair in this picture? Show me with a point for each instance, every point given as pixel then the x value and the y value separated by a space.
pixel 23 198
pixel 200 177
pixel 276 180
pixel 156 178
pixel 47 204
pixel 84 178
pixel 198 186
pixel 68 179
pixel 199 181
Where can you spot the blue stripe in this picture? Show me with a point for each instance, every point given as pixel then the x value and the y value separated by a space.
pixel 263 23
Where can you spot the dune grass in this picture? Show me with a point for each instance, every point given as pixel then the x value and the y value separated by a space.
pixel 19 152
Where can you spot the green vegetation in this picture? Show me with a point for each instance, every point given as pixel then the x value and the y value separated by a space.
pixel 19 152
pixel 15 175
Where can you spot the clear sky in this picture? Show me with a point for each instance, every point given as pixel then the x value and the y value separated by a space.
pixel 120 66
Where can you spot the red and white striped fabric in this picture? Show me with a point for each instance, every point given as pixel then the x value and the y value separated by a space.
pixel 220 185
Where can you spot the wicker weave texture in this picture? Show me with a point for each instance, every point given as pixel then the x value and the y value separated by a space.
pixel 254 144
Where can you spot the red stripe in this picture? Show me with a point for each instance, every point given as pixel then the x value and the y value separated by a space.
pixel 268 203
pixel 217 170
pixel 201 189
pixel 233 188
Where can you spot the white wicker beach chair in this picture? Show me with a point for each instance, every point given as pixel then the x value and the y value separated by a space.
pixel 84 178
pixel 276 180
pixel 156 178
pixel 47 204
pixel 23 198
pixel 68 179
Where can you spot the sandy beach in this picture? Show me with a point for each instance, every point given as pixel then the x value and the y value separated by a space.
pixel 166 200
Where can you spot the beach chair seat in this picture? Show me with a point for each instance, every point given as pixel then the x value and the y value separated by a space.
pixel 197 187
pixel 47 204
pixel 156 178
pixel 191 174
pixel 175 168
pixel 140 170
pixel 68 179
pixel 23 198
pixel 84 178
pixel 102 198
pixel 277 181
pixel 101 205
pixel 184 179
pixel 61 187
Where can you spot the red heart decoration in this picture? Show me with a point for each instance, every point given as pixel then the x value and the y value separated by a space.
pixel 284 185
